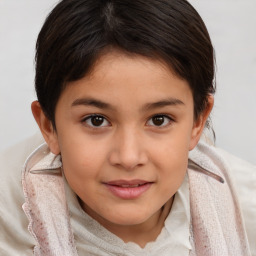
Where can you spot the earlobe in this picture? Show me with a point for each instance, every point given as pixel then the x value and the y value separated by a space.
pixel 46 127
pixel 199 124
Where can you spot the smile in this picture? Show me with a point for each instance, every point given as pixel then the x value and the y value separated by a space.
pixel 128 189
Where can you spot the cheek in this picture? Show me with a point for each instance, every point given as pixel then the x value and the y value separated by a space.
pixel 174 165
pixel 173 148
pixel 80 170
pixel 81 161
pixel 173 176
pixel 171 159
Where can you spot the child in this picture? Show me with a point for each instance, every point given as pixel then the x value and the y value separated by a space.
pixel 125 89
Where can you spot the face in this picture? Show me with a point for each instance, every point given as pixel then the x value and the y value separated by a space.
pixel 124 133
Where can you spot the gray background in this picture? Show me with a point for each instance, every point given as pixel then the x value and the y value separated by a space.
pixel 232 26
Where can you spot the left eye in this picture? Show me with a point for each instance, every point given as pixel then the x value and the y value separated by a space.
pixel 96 121
pixel 159 120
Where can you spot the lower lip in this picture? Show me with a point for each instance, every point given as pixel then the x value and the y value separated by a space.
pixel 128 193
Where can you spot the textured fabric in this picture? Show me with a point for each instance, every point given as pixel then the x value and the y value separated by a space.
pixel 216 219
pixel 244 175
pixel 45 205
pixel 216 216
pixel 15 239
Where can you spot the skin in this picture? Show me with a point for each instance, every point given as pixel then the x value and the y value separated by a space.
pixel 128 142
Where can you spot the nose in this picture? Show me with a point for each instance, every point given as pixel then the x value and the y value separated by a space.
pixel 128 150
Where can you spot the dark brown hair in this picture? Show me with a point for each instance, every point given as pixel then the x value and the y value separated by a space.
pixel 76 32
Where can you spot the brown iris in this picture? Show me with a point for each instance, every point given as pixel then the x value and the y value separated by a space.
pixel 158 120
pixel 97 120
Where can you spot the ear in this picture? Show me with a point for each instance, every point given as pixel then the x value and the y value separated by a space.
pixel 199 124
pixel 46 127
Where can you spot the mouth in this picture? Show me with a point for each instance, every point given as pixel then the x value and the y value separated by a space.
pixel 130 186
pixel 128 189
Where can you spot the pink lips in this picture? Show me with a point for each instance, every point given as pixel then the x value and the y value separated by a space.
pixel 128 189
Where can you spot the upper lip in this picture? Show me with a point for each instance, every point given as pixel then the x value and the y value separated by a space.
pixel 126 182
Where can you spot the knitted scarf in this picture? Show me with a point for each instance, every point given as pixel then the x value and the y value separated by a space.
pixel 217 224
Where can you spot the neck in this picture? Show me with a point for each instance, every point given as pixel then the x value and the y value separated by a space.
pixel 140 234
pixel 144 233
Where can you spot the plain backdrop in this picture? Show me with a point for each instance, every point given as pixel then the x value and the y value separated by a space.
pixel 232 26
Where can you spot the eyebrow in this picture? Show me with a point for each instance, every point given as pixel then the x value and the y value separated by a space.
pixel 103 105
pixel 91 102
pixel 163 103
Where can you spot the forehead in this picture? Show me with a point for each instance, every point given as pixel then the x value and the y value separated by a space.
pixel 113 61
pixel 118 76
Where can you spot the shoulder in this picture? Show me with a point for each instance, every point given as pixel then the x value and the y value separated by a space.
pixel 14 234
pixel 244 178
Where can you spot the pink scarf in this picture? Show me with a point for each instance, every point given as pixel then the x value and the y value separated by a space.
pixel 218 227
pixel 217 224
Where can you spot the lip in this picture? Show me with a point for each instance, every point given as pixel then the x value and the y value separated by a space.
pixel 128 189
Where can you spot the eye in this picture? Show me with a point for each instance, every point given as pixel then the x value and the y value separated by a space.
pixel 96 121
pixel 159 121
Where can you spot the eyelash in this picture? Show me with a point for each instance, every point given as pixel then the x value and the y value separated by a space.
pixel 89 119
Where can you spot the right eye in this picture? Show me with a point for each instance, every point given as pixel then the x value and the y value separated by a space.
pixel 96 121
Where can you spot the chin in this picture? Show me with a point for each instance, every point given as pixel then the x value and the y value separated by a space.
pixel 128 219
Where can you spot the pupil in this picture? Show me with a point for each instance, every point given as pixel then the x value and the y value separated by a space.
pixel 97 120
pixel 158 120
